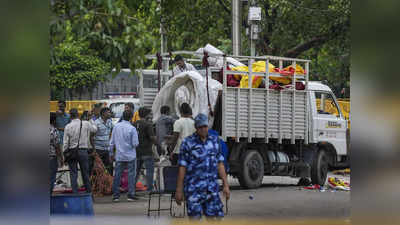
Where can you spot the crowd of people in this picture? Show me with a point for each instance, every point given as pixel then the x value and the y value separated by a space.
pixel 131 144
pixel 132 138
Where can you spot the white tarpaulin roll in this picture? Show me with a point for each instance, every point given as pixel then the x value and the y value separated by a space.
pixel 189 87
pixel 218 61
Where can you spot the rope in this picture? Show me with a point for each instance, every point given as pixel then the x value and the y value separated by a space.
pixel 170 56
pixel 159 65
pixel 205 64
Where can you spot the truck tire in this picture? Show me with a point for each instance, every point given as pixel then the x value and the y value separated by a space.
pixel 319 168
pixel 252 170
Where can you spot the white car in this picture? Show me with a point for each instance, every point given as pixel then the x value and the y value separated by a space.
pixel 117 106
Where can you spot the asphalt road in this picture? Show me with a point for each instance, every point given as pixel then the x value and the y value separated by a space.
pixel 278 198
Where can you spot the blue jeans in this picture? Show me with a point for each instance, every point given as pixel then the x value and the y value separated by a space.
pixel 84 166
pixel 119 167
pixel 53 171
pixel 148 163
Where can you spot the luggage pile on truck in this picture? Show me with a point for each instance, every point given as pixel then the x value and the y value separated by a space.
pixel 275 129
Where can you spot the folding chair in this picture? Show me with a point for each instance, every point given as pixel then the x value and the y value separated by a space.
pixel 170 174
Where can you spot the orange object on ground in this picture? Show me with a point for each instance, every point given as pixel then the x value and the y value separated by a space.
pixel 140 186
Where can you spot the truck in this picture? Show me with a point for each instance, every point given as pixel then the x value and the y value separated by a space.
pixel 271 132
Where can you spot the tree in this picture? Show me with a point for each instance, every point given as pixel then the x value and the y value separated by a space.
pixel 76 68
pixel 122 32
pixel 316 30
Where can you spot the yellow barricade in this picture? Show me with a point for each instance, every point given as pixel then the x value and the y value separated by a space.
pixel 80 105
pixel 344 106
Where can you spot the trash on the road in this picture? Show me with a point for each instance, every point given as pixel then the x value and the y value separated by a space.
pixel 338 184
pixel 251 197
pixel 313 187
pixel 342 172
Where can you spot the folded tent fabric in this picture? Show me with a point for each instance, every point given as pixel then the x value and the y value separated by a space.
pixel 299 70
pixel 259 66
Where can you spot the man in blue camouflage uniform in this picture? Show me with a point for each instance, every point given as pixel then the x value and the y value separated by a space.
pixel 200 162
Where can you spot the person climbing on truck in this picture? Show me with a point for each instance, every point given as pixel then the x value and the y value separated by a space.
pixel 181 65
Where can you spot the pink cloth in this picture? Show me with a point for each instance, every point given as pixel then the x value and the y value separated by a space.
pixel 230 79
pixel 124 180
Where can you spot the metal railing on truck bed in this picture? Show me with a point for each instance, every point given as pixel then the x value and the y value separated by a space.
pixel 263 112
pixel 249 112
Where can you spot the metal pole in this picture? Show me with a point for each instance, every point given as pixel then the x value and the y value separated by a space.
pixel 252 44
pixel 252 33
pixel 236 27
pixel 163 40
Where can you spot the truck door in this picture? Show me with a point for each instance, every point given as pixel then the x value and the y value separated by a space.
pixel 329 123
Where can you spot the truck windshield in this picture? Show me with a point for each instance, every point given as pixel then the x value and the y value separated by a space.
pixel 326 104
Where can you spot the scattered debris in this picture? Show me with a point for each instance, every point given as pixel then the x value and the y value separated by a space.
pixel 313 187
pixel 338 184
pixel 342 172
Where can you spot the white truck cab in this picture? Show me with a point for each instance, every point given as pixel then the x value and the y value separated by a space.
pixel 328 123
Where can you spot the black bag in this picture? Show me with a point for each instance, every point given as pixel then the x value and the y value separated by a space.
pixel 72 153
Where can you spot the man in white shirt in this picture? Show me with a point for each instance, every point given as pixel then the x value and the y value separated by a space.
pixel 75 132
pixel 182 66
pixel 183 127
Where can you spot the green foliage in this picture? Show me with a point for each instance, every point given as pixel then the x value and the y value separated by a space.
pixel 192 24
pixel 76 67
pixel 123 31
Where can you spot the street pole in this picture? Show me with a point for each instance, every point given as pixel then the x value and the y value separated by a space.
pixel 253 17
pixel 164 40
pixel 252 44
pixel 236 18
pixel 164 46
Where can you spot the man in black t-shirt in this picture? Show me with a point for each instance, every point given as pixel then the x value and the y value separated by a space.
pixel 144 152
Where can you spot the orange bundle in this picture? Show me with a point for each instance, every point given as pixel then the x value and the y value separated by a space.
pixel 100 179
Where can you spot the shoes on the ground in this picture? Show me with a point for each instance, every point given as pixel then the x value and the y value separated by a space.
pixel 115 199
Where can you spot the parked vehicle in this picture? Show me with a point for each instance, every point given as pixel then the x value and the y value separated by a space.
pixel 117 106
pixel 269 132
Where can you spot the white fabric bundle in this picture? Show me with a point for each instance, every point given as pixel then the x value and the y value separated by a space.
pixel 189 87
pixel 217 61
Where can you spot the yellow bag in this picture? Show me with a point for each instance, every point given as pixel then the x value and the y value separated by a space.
pixel 239 68
pixel 258 66
pixel 299 69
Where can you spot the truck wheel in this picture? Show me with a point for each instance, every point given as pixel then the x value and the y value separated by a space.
pixel 252 170
pixel 319 169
